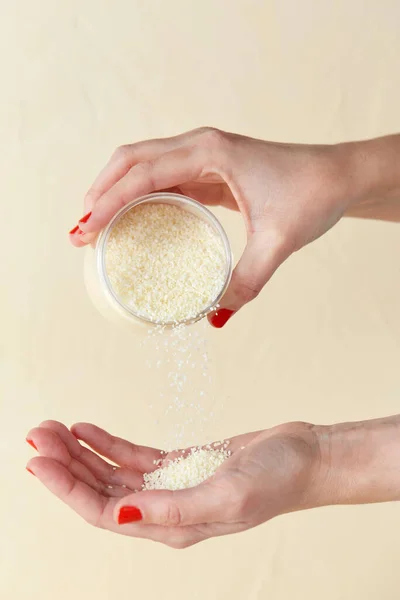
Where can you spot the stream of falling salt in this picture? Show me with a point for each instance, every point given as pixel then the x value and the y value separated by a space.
pixel 185 405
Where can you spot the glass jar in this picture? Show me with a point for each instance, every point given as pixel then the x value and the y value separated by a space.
pixel 97 282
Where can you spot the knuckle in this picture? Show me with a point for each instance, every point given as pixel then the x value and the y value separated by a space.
pixel 141 168
pixel 171 516
pixel 214 139
pixel 247 290
pixel 144 170
pixel 204 130
pixel 123 153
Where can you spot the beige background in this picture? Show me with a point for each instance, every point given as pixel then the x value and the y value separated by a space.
pixel 321 344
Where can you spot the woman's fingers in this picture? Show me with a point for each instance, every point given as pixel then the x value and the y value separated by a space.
pixel 101 468
pixel 81 497
pixel 49 444
pixel 198 154
pixel 109 480
pixel 98 510
pixel 168 170
pixel 74 447
pixel 126 156
pixel 118 166
pixel 120 163
pixel 121 452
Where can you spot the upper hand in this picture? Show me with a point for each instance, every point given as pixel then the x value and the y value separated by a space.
pixel 269 473
pixel 287 194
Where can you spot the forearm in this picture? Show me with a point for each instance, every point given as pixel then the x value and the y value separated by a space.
pixel 373 168
pixel 359 462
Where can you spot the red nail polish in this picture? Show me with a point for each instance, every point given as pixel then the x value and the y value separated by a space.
pixel 129 514
pixel 221 317
pixel 74 230
pixel 86 218
pixel 30 471
pixel 31 443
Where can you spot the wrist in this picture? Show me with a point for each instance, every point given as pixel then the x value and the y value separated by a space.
pixel 371 169
pixel 359 463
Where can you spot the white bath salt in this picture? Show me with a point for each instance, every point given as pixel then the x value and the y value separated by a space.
pixel 186 472
pixel 165 263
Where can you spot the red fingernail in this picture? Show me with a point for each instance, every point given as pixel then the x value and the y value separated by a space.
pixel 86 218
pixel 129 514
pixel 74 230
pixel 221 317
pixel 31 443
pixel 30 471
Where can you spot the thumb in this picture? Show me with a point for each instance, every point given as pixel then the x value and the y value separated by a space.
pixel 263 254
pixel 200 504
